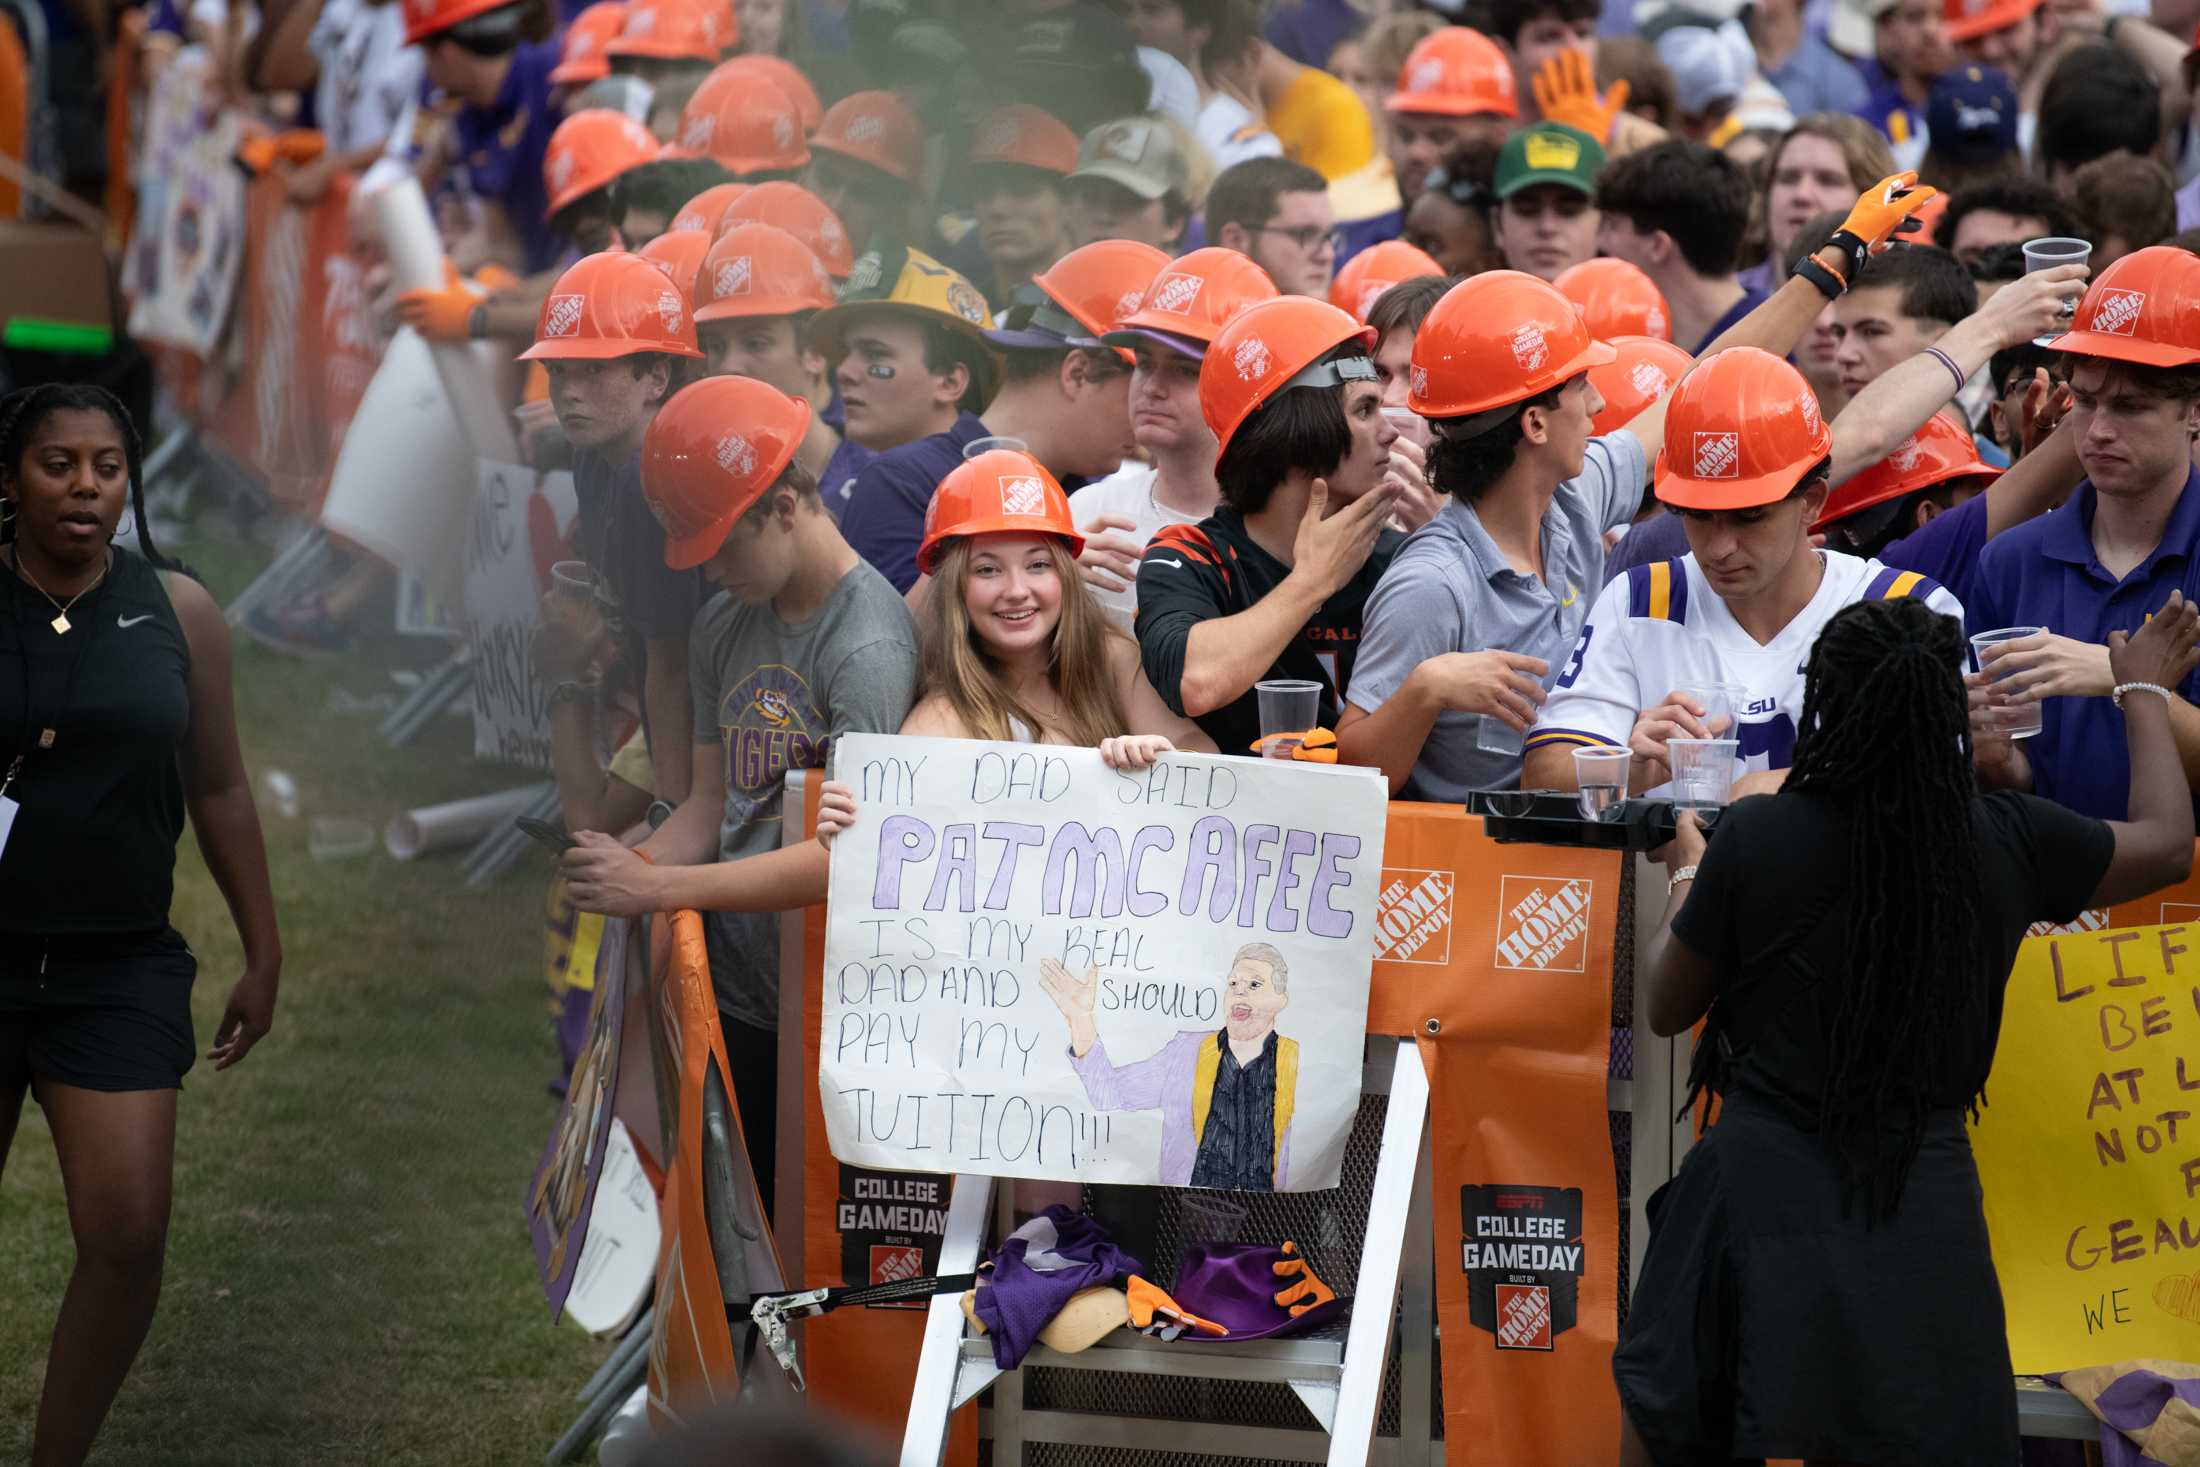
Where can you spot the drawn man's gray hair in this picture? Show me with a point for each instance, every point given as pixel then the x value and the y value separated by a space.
pixel 1279 971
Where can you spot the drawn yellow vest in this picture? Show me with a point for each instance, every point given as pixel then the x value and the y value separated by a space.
pixel 1287 1088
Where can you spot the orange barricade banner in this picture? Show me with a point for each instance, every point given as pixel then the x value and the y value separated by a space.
pixel 1498 960
pixel 862 1362
pixel 691 1359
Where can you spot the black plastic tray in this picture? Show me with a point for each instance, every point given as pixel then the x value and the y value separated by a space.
pixel 1554 818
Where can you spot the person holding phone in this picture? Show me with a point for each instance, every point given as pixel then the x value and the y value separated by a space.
pixel 1818 1282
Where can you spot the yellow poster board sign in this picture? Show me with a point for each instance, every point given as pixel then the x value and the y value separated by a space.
pixel 2089 1149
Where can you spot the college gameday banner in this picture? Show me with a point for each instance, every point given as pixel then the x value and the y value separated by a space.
pixel 1498 959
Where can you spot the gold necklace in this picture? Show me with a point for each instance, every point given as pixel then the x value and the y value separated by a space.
pixel 61 622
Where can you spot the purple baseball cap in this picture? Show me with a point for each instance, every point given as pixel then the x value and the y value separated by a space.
pixel 1235 1285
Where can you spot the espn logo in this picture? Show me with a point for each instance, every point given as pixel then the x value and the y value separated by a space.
pixel 1413 916
pixel 1543 923
pixel 1718 456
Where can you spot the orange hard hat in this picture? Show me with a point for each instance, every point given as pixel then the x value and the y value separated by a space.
pixel 1000 492
pixel 743 122
pixel 756 270
pixel 1742 430
pixel 425 18
pixel 1965 20
pixel 679 253
pixel 590 149
pixel 1271 346
pixel 2143 309
pixel 1934 454
pixel 711 452
pixel 1456 72
pixel 1026 136
pixel 877 128
pixel 1498 339
pixel 674 30
pixel 1644 371
pixel 1616 299
pixel 1192 297
pixel 705 214
pixel 1376 269
pixel 612 304
pixel 804 215
pixel 582 60
pixel 1096 283
pixel 790 79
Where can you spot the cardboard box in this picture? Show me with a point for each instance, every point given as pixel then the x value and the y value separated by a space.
pixel 57 291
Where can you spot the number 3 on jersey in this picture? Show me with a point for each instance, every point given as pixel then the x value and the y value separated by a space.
pixel 1572 668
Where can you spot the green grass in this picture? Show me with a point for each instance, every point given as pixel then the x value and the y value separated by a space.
pixel 349 1276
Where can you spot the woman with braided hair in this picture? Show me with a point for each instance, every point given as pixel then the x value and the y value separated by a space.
pixel 1818 1283
pixel 115 721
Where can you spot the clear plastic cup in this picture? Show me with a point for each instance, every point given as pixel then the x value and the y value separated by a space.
pixel 1289 708
pixel 1411 424
pixel 1703 772
pixel 2046 254
pixel 977 446
pixel 1602 775
pixel 1719 700
pixel 573 578
pixel 334 837
pixel 2018 720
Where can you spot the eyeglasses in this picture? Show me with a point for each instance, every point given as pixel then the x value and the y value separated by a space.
pixel 1308 237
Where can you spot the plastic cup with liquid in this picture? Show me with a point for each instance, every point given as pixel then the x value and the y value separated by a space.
pixel 573 578
pixel 1602 774
pixel 2017 720
pixel 2046 254
pixel 977 446
pixel 1289 709
pixel 1719 702
pixel 1703 772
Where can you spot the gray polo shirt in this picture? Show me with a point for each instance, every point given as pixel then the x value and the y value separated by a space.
pixel 1450 590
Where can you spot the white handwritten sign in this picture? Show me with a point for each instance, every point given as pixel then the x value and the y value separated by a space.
pixel 517 532
pixel 1036 966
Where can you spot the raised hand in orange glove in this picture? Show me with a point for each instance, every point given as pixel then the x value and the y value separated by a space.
pixel 1882 211
pixel 1565 88
pixel 444 315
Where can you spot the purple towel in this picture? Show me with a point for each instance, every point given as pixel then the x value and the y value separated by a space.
pixel 1036 1270
pixel 2145 1407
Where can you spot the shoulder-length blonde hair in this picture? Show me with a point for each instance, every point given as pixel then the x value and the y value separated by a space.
pixel 1863 150
pixel 957 666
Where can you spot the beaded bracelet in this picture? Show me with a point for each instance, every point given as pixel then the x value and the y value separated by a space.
pixel 2117 696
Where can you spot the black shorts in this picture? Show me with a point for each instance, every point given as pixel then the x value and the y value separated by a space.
pixel 100 1013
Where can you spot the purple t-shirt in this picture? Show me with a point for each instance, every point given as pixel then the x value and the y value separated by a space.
pixel 1945 549
pixel 884 514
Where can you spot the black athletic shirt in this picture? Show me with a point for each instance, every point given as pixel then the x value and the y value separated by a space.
pixel 94 845
pixel 1192 573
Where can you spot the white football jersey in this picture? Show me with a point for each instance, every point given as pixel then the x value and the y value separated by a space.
pixel 1661 627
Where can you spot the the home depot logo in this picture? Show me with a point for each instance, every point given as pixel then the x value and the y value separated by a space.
pixel 1543 923
pixel 1251 359
pixel 1426 76
pixel 696 136
pixel 2092 919
pixel 1649 379
pixel 2118 311
pixel 732 278
pixel 1718 456
pixel 869 128
pixel 1023 494
pixel 1413 916
pixel 562 316
pixel 561 171
pixel 1175 293
pixel 1523 1317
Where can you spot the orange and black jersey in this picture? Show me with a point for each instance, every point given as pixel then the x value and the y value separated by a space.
pixel 1195 573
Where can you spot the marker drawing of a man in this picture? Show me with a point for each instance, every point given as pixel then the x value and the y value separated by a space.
pixel 1226 1096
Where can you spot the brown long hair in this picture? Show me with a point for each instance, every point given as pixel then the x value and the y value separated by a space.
pixel 957 666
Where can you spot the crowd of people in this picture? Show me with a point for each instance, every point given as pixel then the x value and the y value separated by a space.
pixel 1542 380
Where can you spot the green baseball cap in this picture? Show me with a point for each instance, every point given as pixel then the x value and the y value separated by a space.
pixel 1549 152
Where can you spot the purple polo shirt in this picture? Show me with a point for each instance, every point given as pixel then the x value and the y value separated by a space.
pixel 501 148
pixel 2044 573
pixel 883 512
pixel 1945 548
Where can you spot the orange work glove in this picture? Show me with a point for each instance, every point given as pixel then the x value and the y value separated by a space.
pixel 493 278
pixel 1565 90
pixel 1882 211
pixel 444 315
pixel 1153 1312
pixel 1315 746
pixel 301 145
pixel 1309 1291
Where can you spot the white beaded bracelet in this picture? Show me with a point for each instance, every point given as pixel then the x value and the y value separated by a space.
pixel 2122 688
pixel 1686 873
